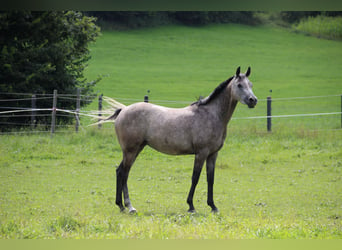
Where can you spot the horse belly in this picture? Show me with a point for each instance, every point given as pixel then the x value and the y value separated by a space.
pixel 171 144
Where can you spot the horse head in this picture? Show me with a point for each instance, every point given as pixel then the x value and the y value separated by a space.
pixel 241 88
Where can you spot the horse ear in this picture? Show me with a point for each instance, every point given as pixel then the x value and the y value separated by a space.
pixel 248 71
pixel 238 71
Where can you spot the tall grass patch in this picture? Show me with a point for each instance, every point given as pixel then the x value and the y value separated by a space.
pixel 321 26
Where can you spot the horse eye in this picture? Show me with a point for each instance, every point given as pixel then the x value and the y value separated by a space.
pixel 240 86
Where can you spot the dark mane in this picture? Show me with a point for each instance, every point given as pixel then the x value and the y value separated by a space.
pixel 214 94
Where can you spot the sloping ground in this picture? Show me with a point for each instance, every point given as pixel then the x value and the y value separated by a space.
pixel 179 64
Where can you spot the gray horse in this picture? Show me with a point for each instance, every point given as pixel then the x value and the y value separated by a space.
pixel 198 129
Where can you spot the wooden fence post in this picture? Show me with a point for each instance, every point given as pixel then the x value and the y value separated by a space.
pixel 78 104
pixel 33 112
pixel 100 109
pixel 269 114
pixel 53 115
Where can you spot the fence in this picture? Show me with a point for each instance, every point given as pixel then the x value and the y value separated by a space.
pixel 33 112
pixel 269 110
pixel 20 109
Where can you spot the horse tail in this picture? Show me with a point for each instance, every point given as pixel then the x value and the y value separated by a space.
pixel 114 116
pixel 115 106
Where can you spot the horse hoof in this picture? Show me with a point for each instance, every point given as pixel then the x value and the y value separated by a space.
pixel 191 211
pixel 215 211
pixel 132 210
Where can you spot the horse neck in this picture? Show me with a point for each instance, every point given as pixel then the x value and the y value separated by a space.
pixel 225 105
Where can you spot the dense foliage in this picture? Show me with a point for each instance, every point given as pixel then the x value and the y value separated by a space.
pixel 137 19
pixel 43 51
pixel 321 26
pixel 296 16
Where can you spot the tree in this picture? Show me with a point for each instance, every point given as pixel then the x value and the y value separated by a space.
pixel 43 51
pixel 140 19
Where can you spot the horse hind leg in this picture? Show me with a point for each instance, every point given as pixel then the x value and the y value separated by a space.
pixel 122 177
pixel 127 201
pixel 122 173
pixel 119 186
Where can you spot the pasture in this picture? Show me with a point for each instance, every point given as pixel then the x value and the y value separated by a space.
pixel 179 64
pixel 284 184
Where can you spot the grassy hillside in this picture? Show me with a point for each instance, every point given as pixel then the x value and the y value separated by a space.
pixel 179 63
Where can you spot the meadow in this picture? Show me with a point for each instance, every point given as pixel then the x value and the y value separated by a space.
pixel 280 185
pixel 179 64
pixel 273 186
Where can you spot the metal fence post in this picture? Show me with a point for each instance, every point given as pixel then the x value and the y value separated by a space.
pixel 33 112
pixel 146 96
pixel 269 114
pixel 100 109
pixel 78 104
pixel 53 115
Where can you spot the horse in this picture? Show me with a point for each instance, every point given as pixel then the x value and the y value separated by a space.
pixel 199 129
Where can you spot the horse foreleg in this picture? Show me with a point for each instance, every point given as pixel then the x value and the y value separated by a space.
pixel 199 160
pixel 211 160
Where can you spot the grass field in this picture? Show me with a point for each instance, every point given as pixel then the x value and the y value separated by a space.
pixel 267 186
pixel 182 63
pixel 284 184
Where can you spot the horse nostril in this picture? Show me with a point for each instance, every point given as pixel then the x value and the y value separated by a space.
pixel 252 100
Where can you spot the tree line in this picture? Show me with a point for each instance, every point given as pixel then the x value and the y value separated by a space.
pixel 40 52
pixel 140 19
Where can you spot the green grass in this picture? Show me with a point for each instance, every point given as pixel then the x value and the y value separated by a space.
pixel 284 184
pixel 179 63
pixel 280 185
pixel 321 26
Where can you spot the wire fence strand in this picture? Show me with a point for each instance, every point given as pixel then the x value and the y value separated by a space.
pixel 20 112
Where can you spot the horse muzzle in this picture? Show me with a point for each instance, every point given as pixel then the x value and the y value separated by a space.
pixel 251 101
